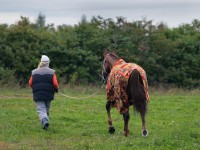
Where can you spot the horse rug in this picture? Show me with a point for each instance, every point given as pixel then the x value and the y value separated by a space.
pixel 117 83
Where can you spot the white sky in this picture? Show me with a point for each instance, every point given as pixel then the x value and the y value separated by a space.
pixel 58 12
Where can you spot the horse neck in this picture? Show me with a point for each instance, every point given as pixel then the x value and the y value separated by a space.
pixel 112 63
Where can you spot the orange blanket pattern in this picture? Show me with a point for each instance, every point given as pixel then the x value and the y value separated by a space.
pixel 117 83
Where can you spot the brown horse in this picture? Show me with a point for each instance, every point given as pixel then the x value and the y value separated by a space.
pixel 126 85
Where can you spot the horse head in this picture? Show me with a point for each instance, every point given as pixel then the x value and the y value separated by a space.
pixel 109 60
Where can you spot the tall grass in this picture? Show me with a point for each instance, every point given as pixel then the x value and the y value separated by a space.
pixel 173 122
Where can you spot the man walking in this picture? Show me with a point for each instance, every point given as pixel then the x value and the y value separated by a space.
pixel 44 84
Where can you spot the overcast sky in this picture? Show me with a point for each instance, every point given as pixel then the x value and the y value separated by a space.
pixel 58 12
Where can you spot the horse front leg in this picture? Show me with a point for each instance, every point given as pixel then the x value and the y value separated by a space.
pixel 126 117
pixel 144 130
pixel 111 129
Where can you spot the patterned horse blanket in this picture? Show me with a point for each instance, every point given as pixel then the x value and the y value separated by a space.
pixel 117 83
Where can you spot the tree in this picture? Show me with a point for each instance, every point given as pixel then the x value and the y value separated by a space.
pixel 40 22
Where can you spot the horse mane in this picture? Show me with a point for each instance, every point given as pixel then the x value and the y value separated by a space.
pixel 114 55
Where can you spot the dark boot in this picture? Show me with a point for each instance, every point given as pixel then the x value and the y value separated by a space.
pixel 48 114
pixel 45 123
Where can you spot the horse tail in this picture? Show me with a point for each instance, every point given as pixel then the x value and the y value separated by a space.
pixel 137 92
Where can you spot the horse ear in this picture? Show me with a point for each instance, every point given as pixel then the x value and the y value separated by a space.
pixel 114 51
pixel 105 52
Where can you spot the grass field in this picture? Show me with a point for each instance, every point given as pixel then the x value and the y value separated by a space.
pixel 173 122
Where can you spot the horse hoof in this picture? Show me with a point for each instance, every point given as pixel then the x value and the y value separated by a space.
pixel 144 133
pixel 111 130
pixel 126 133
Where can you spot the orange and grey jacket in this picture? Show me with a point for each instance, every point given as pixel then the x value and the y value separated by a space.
pixel 44 84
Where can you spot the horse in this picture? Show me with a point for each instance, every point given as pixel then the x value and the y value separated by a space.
pixel 126 85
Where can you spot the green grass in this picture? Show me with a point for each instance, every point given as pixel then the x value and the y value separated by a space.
pixel 173 122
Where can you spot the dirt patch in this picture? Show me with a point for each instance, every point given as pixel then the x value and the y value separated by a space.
pixel 6 146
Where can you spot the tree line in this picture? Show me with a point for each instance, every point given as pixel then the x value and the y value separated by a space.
pixel 170 56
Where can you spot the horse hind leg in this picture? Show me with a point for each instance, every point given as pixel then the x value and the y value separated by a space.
pixel 137 93
pixel 144 130
pixel 111 128
pixel 126 118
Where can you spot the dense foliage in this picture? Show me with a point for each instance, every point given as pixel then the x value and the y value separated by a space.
pixel 169 55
